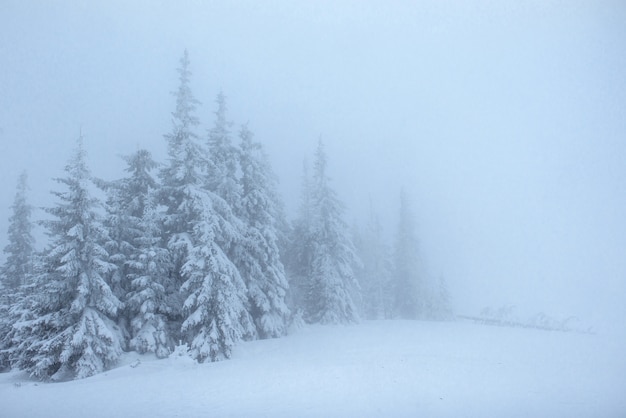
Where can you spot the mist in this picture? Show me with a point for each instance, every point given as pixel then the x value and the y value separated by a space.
pixel 504 122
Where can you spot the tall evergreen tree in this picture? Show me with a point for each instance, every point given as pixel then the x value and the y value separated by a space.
pixel 440 308
pixel 142 262
pixel 331 283
pixel 375 272
pixel 199 228
pixel 16 273
pixel 298 247
pixel 152 299
pixel 181 174
pixel 19 251
pixel 126 202
pixel 260 263
pixel 223 162
pixel 410 298
pixel 72 332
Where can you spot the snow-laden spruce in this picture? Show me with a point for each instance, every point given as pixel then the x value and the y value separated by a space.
pixel 16 272
pixel 410 291
pixel 331 284
pixel 152 299
pixel 72 332
pixel 375 272
pixel 298 248
pixel 260 263
pixel 19 251
pixel 222 164
pixel 134 245
pixel 199 228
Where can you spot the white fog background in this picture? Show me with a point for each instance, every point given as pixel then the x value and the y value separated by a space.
pixel 504 121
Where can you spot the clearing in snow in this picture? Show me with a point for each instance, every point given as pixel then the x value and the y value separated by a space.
pixel 376 368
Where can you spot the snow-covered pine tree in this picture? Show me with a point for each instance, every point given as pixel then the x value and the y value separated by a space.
pixel 142 262
pixel 17 270
pixel 199 226
pixel 215 306
pixel 297 248
pixel 72 333
pixel 19 251
pixel 125 206
pixel 375 272
pixel 332 282
pixel 410 300
pixel 223 162
pixel 181 174
pixel 260 263
pixel 440 307
pixel 152 299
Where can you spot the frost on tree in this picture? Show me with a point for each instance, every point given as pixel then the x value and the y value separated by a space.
pixel 72 333
pixel 298 249
pixel 215 313
pixel 260 263
pixel 16 272
pixel 18 265
pixel 126 202
pixel 375 272
pixel 182 172
pixel 199 228
pixel 331 284
pixel 222 164
pixel 135 247
pixel 151 300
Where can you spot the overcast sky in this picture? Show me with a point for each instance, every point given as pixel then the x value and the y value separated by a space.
pixel 504 121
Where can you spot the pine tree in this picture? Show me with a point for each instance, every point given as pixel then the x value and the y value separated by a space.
pixel 72 332
pixel 16 273
pixel 200 228
pixel 142 262
pixel 331 283
pixel 151 300
pixel 216 315
pixel 375 272
pixel 410 298
pixel 19 252
pixel 440 307
pixel 179 177
pixel 222 165
pixel 260 262
pixel 298 248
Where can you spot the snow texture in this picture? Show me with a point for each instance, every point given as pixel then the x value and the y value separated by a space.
pixel 374 369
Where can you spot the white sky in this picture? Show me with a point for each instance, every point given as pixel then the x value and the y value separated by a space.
pixel 505 121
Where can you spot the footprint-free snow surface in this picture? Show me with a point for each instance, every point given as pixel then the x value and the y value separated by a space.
pixel 374 369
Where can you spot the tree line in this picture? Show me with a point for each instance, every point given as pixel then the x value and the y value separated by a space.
pixel 198 250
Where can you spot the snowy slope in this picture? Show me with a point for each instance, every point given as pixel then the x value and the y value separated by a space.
pixel 380 368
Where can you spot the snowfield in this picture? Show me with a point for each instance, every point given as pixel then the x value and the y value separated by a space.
pixel 374 369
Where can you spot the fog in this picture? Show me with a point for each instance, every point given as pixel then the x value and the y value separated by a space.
pixel 504 121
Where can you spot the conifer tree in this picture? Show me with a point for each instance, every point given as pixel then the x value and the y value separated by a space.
pixel 16 273
pixel 223 161
pixel 181 174
pixel 142 262
pixel 331 283
pixel 440 305
pixel 72 333
pixel 375 272
pixel 260 263
pixel 200 228
pixel 125 206
pixel 152 299
pixel 410 297
pixel 298 247
pixel 19 251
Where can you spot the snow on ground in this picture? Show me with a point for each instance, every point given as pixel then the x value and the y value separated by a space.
pixel 375 369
